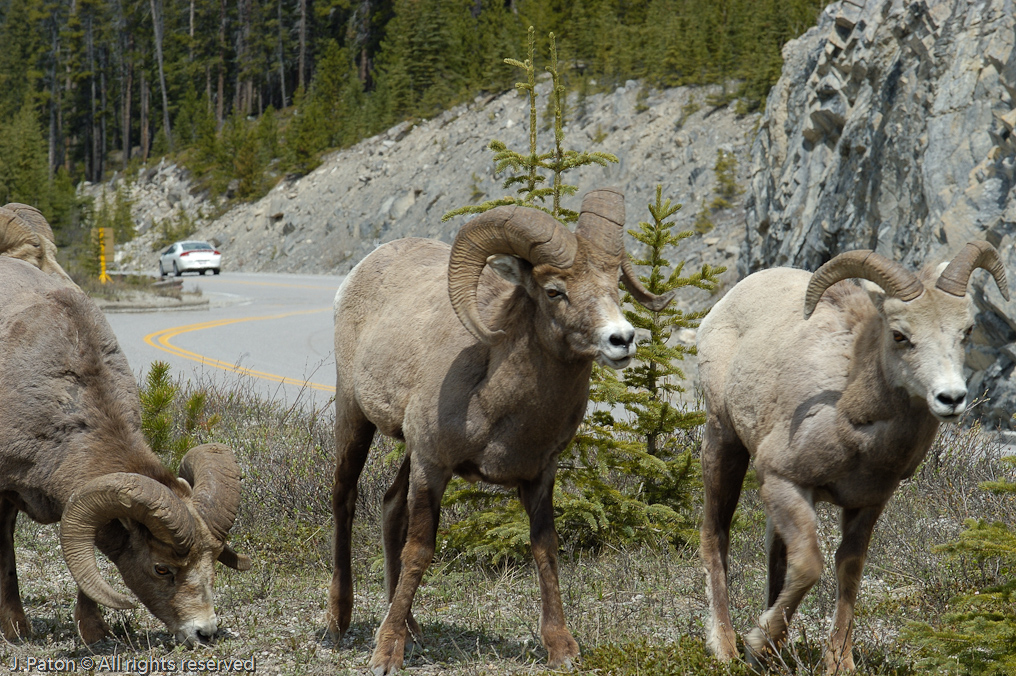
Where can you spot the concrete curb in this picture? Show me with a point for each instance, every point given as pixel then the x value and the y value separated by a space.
pixel 170 306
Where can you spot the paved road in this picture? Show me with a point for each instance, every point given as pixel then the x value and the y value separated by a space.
pixel 272 330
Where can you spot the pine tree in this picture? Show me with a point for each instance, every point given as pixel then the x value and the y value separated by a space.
pixel 978 636
pixel 524 169
pixel 24 175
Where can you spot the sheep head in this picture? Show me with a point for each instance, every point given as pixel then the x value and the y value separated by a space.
pixel 924 325
pixel 25 234
pixel 169 542
pixel 571 277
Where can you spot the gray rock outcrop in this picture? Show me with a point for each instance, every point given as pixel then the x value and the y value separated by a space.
pixel 401 182
pixel 892 128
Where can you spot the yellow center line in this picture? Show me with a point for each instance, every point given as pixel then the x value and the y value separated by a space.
pixel 161 341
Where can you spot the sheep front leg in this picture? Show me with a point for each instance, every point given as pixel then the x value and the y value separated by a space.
pixel 792 511
pixel 424 503
pixel 724 463
pixel 13 622
pixel 88 620
pixel 353 435
pixel 395 526
pixel 857 525
pixel 538 499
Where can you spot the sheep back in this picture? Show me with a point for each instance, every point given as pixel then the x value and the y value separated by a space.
pixel 62 377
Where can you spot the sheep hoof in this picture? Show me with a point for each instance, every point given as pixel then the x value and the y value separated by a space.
pixel 388 653
pixel 562 651
pixel 92 629
pixel 15 627
pixel 757 649
pixel 414 635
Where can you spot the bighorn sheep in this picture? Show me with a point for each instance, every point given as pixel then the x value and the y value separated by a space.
pixel 71 450
pixel 484 374
pixel 837 395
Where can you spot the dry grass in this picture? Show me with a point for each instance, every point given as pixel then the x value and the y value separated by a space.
pixel 625 608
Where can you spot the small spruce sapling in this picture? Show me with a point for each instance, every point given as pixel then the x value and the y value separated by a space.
pixel 525 169
pixel 168 437
pixel 625 482
pixel 646 441
pixel 978 636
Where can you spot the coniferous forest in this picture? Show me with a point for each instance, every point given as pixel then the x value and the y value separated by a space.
pixel 242 91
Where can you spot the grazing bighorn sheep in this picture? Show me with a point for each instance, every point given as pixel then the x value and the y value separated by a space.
pixel 483 375
pixel 71 450
pixel 837 403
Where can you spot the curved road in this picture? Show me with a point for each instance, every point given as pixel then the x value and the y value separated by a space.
pixel 271 331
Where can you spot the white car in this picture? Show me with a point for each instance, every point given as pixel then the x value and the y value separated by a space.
pixel 189 256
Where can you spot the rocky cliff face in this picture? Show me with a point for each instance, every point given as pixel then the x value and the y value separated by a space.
pixel 892 128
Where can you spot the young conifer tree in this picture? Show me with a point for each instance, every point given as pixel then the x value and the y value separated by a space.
pixel 646 441
pixel 622 481
pixel 978 636
pixel 525 169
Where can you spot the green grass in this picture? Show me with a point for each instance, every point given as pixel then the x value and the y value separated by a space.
pixel 639 611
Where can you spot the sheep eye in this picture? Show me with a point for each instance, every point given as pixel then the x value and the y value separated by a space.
pixel 899 337
pixel 554 293
pixel 162 570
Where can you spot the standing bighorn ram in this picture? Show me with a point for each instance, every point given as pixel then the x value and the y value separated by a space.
pixel 484 374
pixel 71 450
pixel 837 395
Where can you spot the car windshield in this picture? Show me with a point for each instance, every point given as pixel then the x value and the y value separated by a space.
pixel 195 246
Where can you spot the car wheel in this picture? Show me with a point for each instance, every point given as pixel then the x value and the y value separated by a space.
pixel 162 273
pixel 176 270
pixel 202 272
pixel 215 271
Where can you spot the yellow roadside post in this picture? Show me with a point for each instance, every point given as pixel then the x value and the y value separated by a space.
pixel 105 236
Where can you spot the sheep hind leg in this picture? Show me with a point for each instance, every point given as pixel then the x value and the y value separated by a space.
pixel 395 527
pixel 13 622
pixel 353 436
pixel 724 463
pixel 538 499
pixel 857 525
pixel 776 555
pixel 792 511
pixel 424 503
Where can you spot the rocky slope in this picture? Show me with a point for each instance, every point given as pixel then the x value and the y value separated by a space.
pixel 891 128
pixel 400 183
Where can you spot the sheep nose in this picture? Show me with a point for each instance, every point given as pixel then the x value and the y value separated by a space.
pixel 622 338
pixel 206 635
pixel 952 398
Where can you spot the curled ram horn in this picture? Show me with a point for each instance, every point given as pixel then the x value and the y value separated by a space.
pixel 121 495
pixel 525 232
pixel 979 254
pixel 601 221
pixel 894 279
pixel 212 471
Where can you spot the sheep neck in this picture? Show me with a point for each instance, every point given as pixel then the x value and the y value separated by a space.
pixel 874 412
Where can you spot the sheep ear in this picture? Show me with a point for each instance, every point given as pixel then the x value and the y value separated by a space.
pixel 875 292
pixel 506 266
